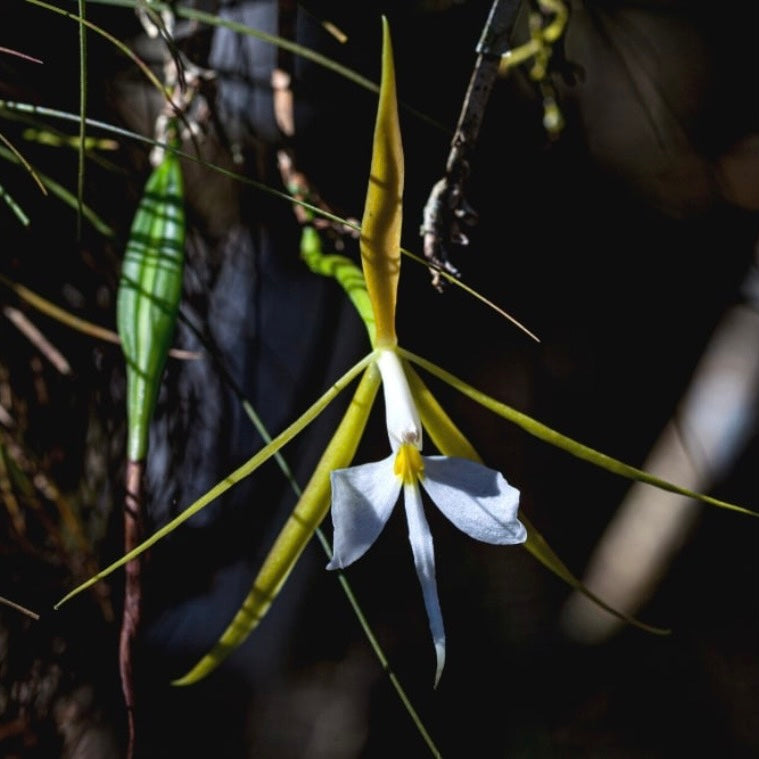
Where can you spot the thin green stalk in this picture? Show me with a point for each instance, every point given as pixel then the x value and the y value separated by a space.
pixel 471 291
pixel 380 654
pixel 20 158
pixel 15 207
pixel 82 118
pixel 63 194
pixel 113 40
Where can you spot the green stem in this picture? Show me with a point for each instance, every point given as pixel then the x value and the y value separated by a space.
pixel 82 118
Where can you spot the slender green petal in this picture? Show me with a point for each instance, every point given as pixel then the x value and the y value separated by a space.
pixel 450 441
pixel 548 435
pixel 232 479
pixel 444 433
pixel 310 510
pixel 381 225
pixel 538 546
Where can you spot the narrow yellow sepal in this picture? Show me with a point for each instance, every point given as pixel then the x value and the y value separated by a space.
pixel 233 478
pixel 548 435
pixel 310 510
pixel 450 441
pixel 381 225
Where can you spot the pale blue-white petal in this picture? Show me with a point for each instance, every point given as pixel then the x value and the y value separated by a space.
pixel 424 559
pixel 476 499
pixel 362 499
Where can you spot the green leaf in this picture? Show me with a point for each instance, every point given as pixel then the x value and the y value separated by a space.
pixel 149 294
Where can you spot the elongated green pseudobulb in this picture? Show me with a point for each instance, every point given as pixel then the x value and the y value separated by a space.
pixel 149 293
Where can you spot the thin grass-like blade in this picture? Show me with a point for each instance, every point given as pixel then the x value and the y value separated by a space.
pixel 18 212
pixel 82 118
pixel 20 159
pixel 28 108
pixel 48 308
pixel 63 194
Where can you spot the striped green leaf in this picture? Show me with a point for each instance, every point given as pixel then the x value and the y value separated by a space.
pixel 149 293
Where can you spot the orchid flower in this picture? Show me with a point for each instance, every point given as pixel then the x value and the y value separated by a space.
pixel 476 499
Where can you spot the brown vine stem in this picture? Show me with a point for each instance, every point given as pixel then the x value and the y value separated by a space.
pixel 447 209
pixel 18 607
pixel 132 593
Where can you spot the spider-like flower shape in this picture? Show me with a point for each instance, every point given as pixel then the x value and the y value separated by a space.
pixel 476 499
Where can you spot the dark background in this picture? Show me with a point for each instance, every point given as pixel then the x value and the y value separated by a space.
pixel 620 244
